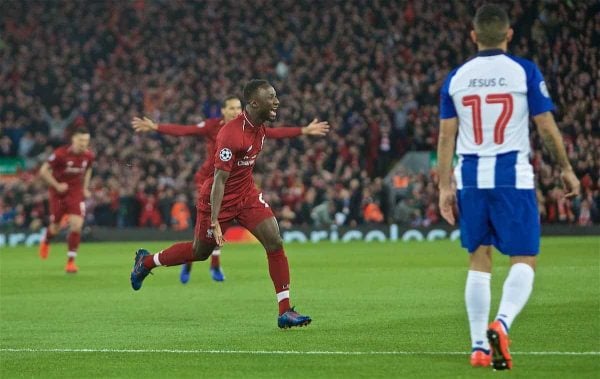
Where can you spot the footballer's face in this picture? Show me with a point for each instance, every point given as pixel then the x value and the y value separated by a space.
pixel 231 109
pixel 267 103
pixel 80 142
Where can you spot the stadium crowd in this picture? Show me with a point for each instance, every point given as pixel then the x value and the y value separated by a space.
pixel 373 69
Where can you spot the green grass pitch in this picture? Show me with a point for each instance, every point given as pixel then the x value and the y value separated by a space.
pixel 379 310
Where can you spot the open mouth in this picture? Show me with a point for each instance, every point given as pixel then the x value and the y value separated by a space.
pixel 273 112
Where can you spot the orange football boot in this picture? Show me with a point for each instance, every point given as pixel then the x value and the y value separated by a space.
pixel 501 359
pixel 71 268
pixel 480 358
pixel 44 249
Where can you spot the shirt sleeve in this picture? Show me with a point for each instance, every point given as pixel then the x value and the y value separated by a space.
pixel 226 147
pixel 199 129
pixel 447 109
pixel 55 159
pixel 283 132
pixel 538 97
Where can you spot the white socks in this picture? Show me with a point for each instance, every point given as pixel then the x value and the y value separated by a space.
pixel 517 288
pixel 156 259
pixel 478 298
pixel 515 293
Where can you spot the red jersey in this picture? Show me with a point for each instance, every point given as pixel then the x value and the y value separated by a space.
pixel 238 145
pixel 69 167
pixel 209 129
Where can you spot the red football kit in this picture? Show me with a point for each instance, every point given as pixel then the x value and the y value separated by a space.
pixel 237 147
pixel 208 129
pixel 68 167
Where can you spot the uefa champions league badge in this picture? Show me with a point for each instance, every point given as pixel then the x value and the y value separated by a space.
pixel 225 154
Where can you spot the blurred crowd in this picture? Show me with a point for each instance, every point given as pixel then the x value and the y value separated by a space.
pixel 372 68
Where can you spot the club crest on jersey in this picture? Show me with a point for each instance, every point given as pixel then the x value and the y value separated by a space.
pixel 225 155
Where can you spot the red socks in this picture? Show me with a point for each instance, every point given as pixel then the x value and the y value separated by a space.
pixel 215 258
pixel 280 275
pixel 73 241
pixel 49 235
pixel 177 254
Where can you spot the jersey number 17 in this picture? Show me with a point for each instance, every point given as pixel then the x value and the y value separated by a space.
pixel 474 101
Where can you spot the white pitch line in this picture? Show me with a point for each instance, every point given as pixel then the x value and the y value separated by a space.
pixel 278 352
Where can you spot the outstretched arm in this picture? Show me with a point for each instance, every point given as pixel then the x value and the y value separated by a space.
pixel 315 128
pixel 554 143
pixel 216 198
pixel 445 152
pixel 147 125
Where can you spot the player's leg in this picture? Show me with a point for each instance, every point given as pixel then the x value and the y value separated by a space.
pixel 216 272
pixel 180 253
pixel 56 214
pixel 51 231
pixel 259 219
pixel 476 238
pixel 478 300
pixel 73 239
pixel 517 234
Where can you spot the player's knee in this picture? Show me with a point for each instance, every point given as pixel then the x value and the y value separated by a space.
pixel 53 228
pixel 274 243
pixel 200 252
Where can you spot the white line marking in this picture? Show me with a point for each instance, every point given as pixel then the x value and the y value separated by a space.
pixel 279 352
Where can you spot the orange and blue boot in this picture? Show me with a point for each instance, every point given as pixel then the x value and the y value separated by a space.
pixel 481 357
pixel 499 342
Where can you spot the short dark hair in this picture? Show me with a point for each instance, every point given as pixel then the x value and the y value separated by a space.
pixel 227 98
pixel 80 130
pixel 490 23
pixel 252 87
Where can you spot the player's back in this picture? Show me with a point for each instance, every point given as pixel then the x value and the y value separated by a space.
pixel 493 96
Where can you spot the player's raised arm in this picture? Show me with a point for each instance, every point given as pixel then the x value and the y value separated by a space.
pixel 216 198
pixel 445 152
pixel 46 175
pixel 315 128
pixel 147 125
pixel 554 143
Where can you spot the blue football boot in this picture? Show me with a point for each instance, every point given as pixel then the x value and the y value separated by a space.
pixel 292 318
pixel 217 274
pixel 186 270
pixel 139 272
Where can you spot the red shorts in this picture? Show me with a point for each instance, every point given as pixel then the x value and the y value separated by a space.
pixel 250 212
pixel 65 205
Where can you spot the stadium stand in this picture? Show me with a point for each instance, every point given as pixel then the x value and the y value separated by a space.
pixel 374 75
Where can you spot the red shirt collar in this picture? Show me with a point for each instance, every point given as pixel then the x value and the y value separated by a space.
pixel 248 119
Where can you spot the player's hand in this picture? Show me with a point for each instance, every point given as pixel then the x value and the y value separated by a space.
pixel 570 183
pixel 87 193
pixel 143 125
pixel 217 233
pixel 316 128
pixel 61 187
pixel 448 204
